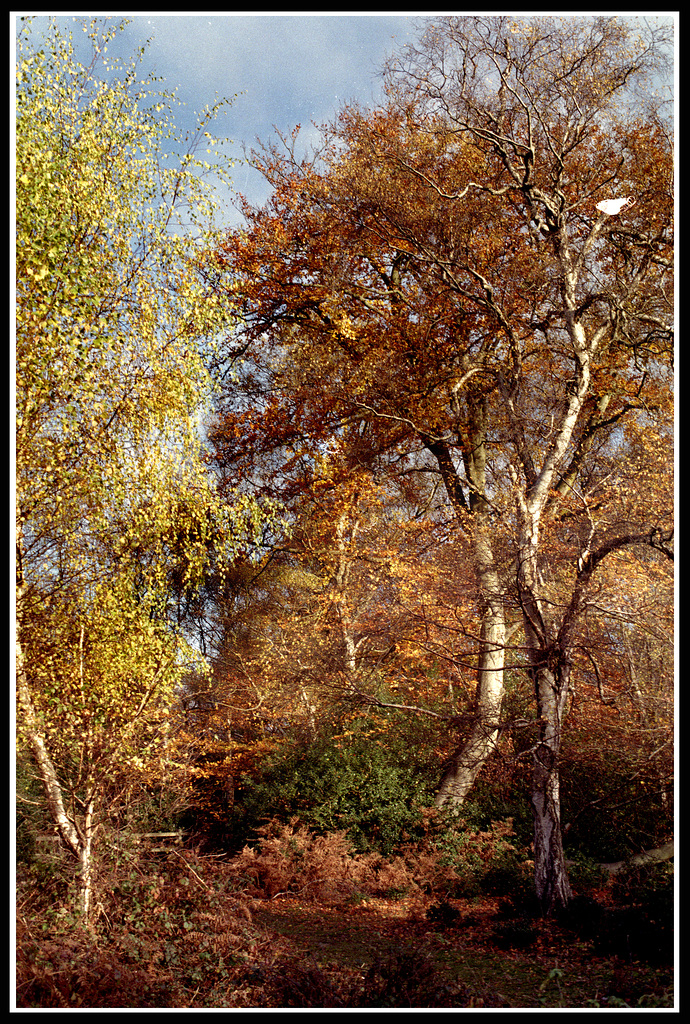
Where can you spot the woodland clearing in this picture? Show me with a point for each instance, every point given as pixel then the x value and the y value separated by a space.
pixel 188 931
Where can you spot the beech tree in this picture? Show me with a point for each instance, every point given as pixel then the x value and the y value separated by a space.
pixel 435 293
pixel 116 512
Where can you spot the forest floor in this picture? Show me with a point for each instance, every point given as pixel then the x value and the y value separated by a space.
pixel 204 944
pixel 465 952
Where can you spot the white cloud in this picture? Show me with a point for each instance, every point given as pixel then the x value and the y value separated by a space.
pixel 288 69
pixel 288 66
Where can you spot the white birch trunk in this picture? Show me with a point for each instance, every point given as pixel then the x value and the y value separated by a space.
pixel 78 842
pixel 86 861
pixel 550 871
pixel 465 766
pixel 340 598
pixel 550 671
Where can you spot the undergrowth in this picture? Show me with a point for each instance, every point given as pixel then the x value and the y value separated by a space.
pixel 185 931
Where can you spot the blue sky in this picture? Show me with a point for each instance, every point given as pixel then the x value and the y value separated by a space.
pixel 288 69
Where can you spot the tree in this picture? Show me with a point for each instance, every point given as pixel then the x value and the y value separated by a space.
pixel 539 128
pixel 117 515
pixel 436 294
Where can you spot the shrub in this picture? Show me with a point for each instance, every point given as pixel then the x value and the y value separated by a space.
pixel 73 972
pixel 502 800
pixel 302 985
pixel 162 937
pixel 408 980
pixel 584 871
pixel 26 839
pixel 634 933
pixel 293 858
pixel 346 781
pixel 582 915
pixel 645 885
pixel 450 861
pixel 401 980
pixel 31 818
pixel 484 860
pixel 609 812
pixel 516 934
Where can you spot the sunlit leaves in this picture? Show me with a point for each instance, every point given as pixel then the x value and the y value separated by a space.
pixel 434 301
pixel 118 518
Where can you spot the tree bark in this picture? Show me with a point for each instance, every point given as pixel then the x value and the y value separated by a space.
pixel 547 639
pixel 340 600
pixel 550 870
pixel 464 767
pixel 86 861
pixel 77 842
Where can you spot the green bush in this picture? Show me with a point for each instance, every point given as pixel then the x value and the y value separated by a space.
pixel 584 871
pixel 155 809
pixel 26 839
pixel 500 800
pixel 515 934
pixel 398 979
pixel 506 876
pixel 646 915
pixel 31 818
pixel 639 924
pixel 488 860
pixel 645 885
pixel 637 933
pixel 370 788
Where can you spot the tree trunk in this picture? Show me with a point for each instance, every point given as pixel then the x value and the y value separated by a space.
pixel 86 862
pixel 77 842
pixel 550 872
pixel 465 765
pixel 46 770
pixel 546 639
pixel 344 545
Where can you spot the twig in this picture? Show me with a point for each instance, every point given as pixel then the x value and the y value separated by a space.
pixel 199 880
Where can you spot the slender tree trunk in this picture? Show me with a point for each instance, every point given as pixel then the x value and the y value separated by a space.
pixel 550 871
pixel 465 765
pixel 546 637
pixel 78 842
pixel 46 769
pixel 51 784
pixel 341 588
pixel 86 861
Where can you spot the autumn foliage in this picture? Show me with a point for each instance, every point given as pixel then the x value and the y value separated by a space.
pixel 437 318
pixel 345 537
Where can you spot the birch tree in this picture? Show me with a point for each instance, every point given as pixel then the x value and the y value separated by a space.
pixel 116 513
pixel 551 104
pixel 439 274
